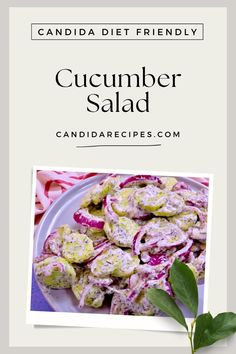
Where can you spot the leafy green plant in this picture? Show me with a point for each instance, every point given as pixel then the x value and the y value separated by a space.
pixel 204 329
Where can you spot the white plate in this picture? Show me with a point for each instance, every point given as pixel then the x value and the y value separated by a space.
pixel 61 212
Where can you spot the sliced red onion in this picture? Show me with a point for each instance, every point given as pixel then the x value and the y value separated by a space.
pixel 199 203
pixel 82 217
pixel 101 244
pixel 103 247
pixel 112 289
pixel 85 292
pixel 133 294
pixel 168 288
pixel 156 259
pixel 137 240
pixel 164 239
pixel 43 256
pixel 181 185
pixel 161 274
pixel 143 217
pixel 133 280
pixel 98 241
pixel 201 214
pixel 109 212
pixel 100 282
pixel 160 282
pixel 189 203
pixel 154 282
pixel 183 253
pixel 49 267
pixel 139 179
pixel 199 200
pixel 53 244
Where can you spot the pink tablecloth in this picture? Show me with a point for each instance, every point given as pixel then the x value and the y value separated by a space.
pixel 51 184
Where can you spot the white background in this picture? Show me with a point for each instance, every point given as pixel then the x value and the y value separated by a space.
pixel 197 107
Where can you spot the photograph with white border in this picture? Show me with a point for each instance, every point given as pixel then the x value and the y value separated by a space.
pixel 100 239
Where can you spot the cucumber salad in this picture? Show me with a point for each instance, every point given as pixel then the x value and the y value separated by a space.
pixel 129 232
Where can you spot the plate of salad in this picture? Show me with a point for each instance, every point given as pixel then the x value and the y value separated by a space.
pixel 105 241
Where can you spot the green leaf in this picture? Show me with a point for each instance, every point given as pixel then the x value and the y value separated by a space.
pixel 203 322
pixel 165 303
pixel 222 326
pixel 184 285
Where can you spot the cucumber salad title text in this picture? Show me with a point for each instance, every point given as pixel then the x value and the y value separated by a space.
pixel 96 102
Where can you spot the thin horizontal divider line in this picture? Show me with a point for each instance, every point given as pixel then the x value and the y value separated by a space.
pixel 114 145
pixel 117 23
pixel 117 39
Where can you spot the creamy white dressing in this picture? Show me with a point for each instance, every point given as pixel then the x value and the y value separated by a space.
pixel 144 224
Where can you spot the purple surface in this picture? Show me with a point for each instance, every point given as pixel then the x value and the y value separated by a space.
pixel 38 302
